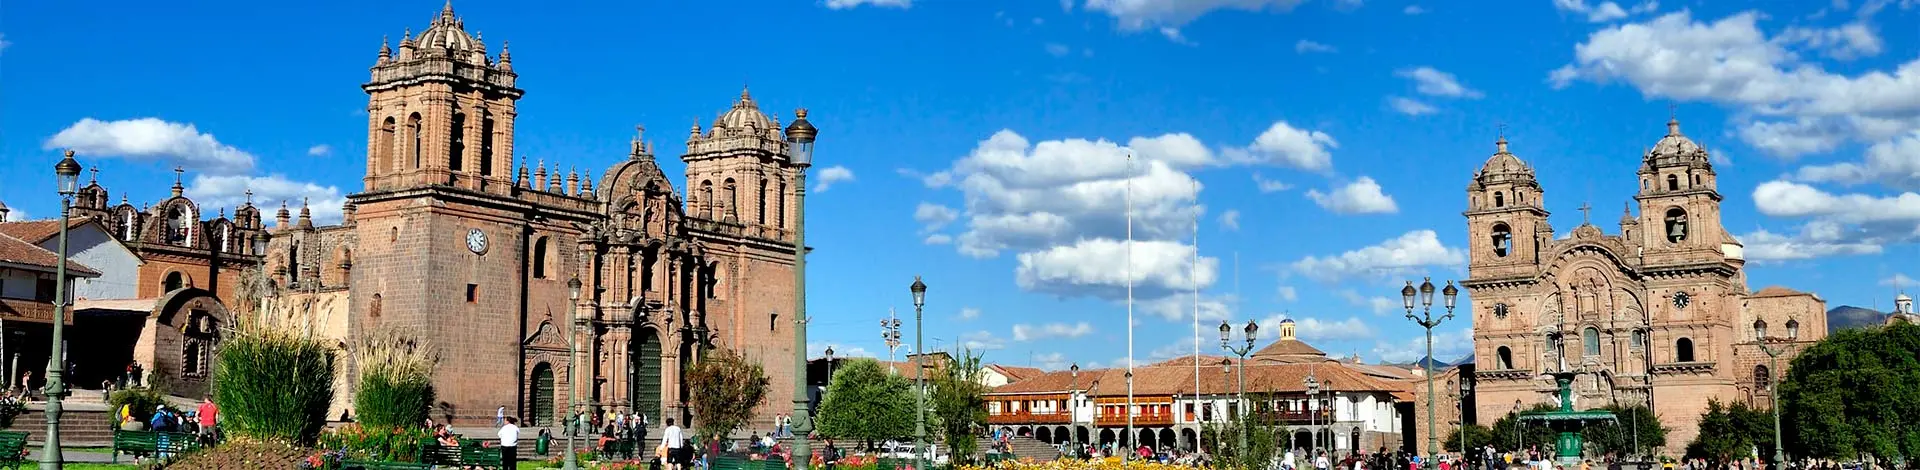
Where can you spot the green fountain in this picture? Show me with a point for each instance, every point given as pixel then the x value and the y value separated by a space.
pixel 1567 422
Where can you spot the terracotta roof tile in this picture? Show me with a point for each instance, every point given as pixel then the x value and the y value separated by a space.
pixel 1048 382
pixel 1289 347
pixel 1281 378
pixel 1777 291
pixel 21 252
pixel 1015 373
pixel 36 231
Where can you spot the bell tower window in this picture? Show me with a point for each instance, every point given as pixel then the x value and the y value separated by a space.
pixel 1683 350
pixel 1503 358
pixel 1676 225
pixel 707 205
pixel 457 142
pixel 1502 240
pixel 733 199
pixel 486 144
pixel 1673 183
pixel 1499 199
pixel 761 207
pixel 383 147
pixel 413 130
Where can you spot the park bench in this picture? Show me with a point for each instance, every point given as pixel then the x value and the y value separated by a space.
pixel 151 443
pixel 432 453
pixel 484 457
pixel 13 449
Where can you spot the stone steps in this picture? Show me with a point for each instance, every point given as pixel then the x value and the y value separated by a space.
pixel 1024 448
pixel 79 427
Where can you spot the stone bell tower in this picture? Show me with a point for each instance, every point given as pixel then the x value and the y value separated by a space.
pixel 1506 217
pixel 441 112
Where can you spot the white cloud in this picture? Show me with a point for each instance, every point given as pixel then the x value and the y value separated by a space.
pixel 1269 186
pixel 1283 144
pixel 1604 11
pixel 938 239
pixel 1230 219
pixel 1051 361
pixel 1815 240
pixel 1900 280
pixel 845 4
pixel 1410 106
pixel 1413 10
pixel 1182 307
pixel 819 350
pixel 324 202
pixel 1305 46
pixel 1379 305
pixel 831 175
pixel 1099 267
pixel 1315 330
pixel 969 313
pixel 1169 15
pixel 1058 50
pixel 1025 332
pixel 1400 255
pixel 319 150
pixel 1362 196
pixel 1894 163
pixel 15 214
pixel 1788 199
pixel 1433 82
pixel 934 216
pixel 1288 294
pixel 1785 105
pixel 981 341
pixel 1846 42
pixel 152 139
pixel 1448 346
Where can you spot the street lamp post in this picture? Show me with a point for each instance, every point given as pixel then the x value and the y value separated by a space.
pixel 800 135
pixel 67 173
pixel 1466 389
pixel 573 355
pixel 1239 397
pixel 919 290
pixel 1427 321
pixel 1073 415
pixel 829 366
pixel 1773 394
pixel 1313 416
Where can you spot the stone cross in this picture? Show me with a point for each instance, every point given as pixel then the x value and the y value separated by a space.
pixel 1586 213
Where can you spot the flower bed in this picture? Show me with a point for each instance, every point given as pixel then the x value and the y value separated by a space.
pixel 1109 463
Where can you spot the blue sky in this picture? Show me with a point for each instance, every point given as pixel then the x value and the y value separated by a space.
pixel 1323 147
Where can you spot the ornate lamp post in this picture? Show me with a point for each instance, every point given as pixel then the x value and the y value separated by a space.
pixel 573 356
pixel 67 173
pixel 1427 321
pixel 1773 395
pixel 1313 415
pixel 800 136
pixel 829 365
pixel 1073 415
pixel 1240 398
pixel 919 290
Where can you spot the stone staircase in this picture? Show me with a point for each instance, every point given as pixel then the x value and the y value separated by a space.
pixel 85 421
pixel 1024 448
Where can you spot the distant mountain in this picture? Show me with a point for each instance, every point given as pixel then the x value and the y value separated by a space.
pixel 1848 316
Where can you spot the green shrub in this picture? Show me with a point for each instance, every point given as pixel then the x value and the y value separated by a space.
pixel 376 443
pixel 141 402
pixel 10 408
pixel 396 379
pixel 273 383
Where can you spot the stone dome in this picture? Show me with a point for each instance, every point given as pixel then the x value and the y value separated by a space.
pixel 1676 149
pixel 448 34
pixel 744 114
pixel 1504 166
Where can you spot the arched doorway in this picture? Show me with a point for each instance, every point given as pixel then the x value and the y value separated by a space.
pixel 1044 434
pixel 1167 439
pixel 1189 438
pixel 542 401
pixel 645 391
pixel 1147 438
pixel 1106 436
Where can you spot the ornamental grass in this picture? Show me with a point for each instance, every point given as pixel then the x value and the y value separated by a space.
pixel 273 378
pixel 395 378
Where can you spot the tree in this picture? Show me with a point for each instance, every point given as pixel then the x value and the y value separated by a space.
pixel 960 404
pixel 1264 434
pixel 1512 434
pixel 1729 432
pixel 1477 436
pixel 867 402
pixel 1855 395
pixel 724 389
pixel 1618 437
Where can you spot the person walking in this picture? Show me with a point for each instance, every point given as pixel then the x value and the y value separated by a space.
pixel 509 442
pixel 676 446
pixel 208 416
pixel 500 416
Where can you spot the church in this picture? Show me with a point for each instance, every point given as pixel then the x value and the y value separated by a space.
pixel 449 240
pixel 1656 314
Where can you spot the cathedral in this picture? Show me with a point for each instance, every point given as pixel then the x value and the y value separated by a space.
pixel 1657 314
pixel 448 239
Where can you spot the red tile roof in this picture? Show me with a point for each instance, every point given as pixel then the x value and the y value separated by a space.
pixel 37 231
pixel 1288 347
pixel 1015 373
pixel 20 252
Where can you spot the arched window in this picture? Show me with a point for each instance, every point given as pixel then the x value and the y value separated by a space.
pixel 1499 199
pixel 373 306
pixel 1590 340
pixel 1639 339
pixel 780 207
pixel 178 227
pixel 1683 350
pixel 1696 180
pixel 540 258
pixel 192 360
pixel 1502 240
pixel 761 207
pixel 733 199
pixel 1762 378
pixel 293 264
pixel 393 235
pixel 486 144
pixel 1793 329
pixel 1759 330
pixel 1676 225
pixel 383 147
pixel 413 130
pixel 457 142
pixel 226 238
pixel 174 281
pixel 1673 183
pixel 1503 358
pixel 708 207
pixel 126 226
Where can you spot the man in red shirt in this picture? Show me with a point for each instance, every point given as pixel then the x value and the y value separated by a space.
pixel 208 414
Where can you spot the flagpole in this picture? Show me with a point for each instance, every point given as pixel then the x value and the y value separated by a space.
pixel 1195 275
pixel 1130 438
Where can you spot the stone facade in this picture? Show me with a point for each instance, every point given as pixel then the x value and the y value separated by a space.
pixel 445 239
pixel 1657 314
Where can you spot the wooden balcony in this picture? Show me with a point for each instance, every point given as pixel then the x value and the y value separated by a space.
pixel 1117 420
pixel 1022 417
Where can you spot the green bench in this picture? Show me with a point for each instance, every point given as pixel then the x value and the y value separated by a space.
pixel 13 449
pixel 151 443
pixel 483 457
